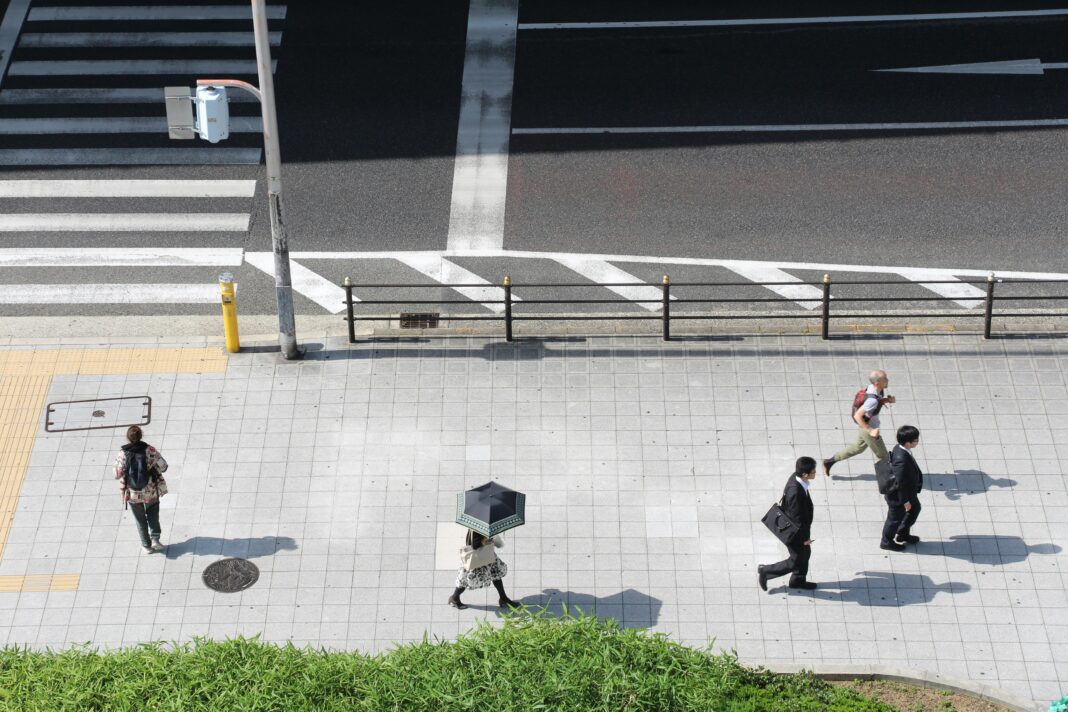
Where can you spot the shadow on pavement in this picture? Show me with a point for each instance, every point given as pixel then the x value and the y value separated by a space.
pixel 631 608
pixel 881 588
pixel 965 482
pixel 989 549
pixel 241 548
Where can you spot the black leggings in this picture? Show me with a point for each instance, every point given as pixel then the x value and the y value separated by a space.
pixel 497 584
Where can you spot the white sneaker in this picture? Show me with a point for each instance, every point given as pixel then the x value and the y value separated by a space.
pixel 156 546
pixel 146 549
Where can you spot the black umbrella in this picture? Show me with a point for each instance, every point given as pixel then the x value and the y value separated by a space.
pixel 490 509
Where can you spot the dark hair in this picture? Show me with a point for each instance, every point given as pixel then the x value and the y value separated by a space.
pixel 907 434
pixel 804 465
pixel 133 434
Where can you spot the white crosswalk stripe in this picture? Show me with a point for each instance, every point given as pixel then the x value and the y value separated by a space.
pixel 143 39
pixel 109 293
pixel 127 188
pixel 152 12
pixel 124 222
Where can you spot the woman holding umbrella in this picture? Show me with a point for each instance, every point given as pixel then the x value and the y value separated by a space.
pixel 486 511
pixel 482 576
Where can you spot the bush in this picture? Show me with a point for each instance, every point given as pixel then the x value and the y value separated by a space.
pixel 529 663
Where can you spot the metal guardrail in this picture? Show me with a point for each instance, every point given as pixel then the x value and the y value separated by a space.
pixel 667 299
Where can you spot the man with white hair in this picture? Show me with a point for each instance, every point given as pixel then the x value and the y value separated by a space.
pixel 866 406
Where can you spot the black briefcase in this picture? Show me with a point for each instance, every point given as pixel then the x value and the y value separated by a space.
pixel 779 524
pixel 884 476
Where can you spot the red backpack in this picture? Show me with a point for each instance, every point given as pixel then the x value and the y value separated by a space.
pixel 858 402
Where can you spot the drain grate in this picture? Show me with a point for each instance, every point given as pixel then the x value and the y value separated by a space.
pixel 231 575
pixel 419 320
pixel 98 414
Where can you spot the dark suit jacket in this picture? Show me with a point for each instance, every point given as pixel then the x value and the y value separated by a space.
pixel 798 507
pixel 908 474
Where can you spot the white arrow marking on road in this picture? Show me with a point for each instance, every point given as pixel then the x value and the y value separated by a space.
pixel 757 272
pixel 109 125
pixel 602 272
pixel 305 282
pixel 109 293
pixel 956 292
pixel 127 188
pixel 1009 66
pixel 121 257
pixel 445 272
pixel 124 222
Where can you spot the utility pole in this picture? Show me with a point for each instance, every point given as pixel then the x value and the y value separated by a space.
pixel 283 282
pixel 212 124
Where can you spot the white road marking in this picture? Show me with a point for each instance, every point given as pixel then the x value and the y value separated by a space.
pixel 305 282
pixel 143 39
pixel 109 125
pixel 746 22
pixel 602 272
pixel 147 95
pixel 448 273
pixel 779 128
pixel 127 188
pixel 86 67
pixel 1009 66
pixel 480 175
pixel 121 257
pixel 768 273
pixel 956 292
pixel 174 12
pixel 124 222
pixel 109 293
pixel 170 156
pixel 10 28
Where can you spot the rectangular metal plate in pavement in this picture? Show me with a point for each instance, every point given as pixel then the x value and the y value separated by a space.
pixel 98 413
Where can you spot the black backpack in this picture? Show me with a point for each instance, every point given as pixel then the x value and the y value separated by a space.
pixel 138 473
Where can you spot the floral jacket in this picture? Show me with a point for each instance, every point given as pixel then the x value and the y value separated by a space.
pixel 150 493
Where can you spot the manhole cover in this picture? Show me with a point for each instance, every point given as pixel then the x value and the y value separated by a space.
pixel 231 575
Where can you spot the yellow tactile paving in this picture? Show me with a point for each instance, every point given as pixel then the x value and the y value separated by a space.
pixel 39 583
pixel 25 377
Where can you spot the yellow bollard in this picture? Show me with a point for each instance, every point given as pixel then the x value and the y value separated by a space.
pixel 229 312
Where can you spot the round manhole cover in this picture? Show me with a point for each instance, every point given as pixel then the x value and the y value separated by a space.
pixel 231 575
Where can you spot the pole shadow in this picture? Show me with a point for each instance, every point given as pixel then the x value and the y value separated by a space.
pixel 882 588
pixel 240 548
pixel 989 549
pixel 964 482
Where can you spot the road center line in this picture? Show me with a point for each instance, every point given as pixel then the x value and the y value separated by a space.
pixel 743 22
pixel 480 176
pixel 786 128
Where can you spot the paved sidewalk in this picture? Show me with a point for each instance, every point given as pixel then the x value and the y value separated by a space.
pixel 647 467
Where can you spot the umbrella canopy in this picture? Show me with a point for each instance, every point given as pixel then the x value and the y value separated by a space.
pixel 490 509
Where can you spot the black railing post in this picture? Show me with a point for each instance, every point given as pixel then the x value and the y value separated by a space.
pixel 507 308
pixel 826 326
pixel 988 317
pixel 667 308
pixel 349 315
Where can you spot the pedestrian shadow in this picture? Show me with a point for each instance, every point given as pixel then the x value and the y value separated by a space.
pixel 239 548
pixel 867 477
pixel 630 608
pixel 989 549
pixel 965 482
pixel 882 588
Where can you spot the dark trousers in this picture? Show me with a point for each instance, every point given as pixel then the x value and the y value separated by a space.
pixel 147 518
pixel 898 521
pixel 797 564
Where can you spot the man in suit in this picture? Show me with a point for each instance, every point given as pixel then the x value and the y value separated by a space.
pixel 904 504
pixel 797 505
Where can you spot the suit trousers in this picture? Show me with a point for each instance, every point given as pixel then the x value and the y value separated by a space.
pixel 797 564
pixel 898 521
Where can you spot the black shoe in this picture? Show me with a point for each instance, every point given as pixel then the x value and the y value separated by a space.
pixel 508 603
pixel 827 465
pixel 762 578
pixel 907 539
pixel 457 603
pixel 805 585
pixel 892 546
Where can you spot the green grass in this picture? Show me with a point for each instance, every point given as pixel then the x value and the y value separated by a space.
pixel 530 663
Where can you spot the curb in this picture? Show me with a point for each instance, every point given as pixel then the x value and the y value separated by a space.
pixel 912 676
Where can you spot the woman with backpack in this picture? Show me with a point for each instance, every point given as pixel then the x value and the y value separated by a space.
pixel 139 468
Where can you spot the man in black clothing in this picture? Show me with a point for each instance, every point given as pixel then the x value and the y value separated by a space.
pixel 797 505
pixel 904 504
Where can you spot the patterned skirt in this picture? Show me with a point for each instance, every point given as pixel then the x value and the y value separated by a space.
pixel 482 576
